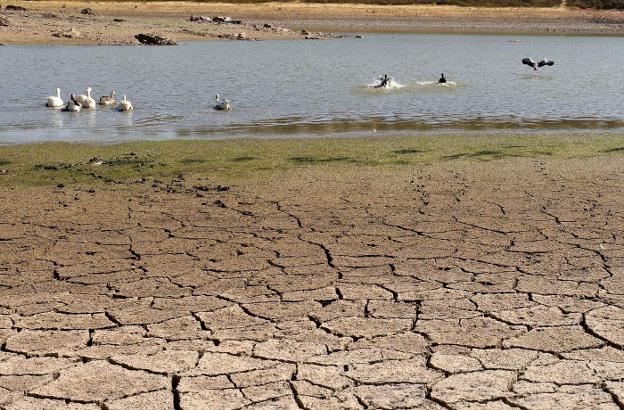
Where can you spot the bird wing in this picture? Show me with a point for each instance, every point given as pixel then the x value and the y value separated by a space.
pixel 528 62
pixel 545 62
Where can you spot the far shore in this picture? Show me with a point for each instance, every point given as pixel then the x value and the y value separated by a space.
pixel 51 22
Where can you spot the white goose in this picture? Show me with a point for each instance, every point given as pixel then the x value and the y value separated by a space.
pixel 125 105
pixel 108 99
pixel 55 100
pixel 89 103
pixel 222 105
pixel 73 105
pixel 85 100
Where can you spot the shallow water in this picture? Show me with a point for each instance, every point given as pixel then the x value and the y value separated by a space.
pixel 307 88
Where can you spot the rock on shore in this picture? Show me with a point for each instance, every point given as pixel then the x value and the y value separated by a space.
pixel 154 40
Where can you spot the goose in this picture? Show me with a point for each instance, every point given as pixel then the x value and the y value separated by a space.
pixel 55 100
pixel 125 105
pixel 108 99
pixel 88 103
pixel 222 105
pixel 538 65
pixel 73 105
pixel 81 98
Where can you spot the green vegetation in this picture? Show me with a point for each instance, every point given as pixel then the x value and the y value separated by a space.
pixel 597 4
pixel 230 161
pixel 464 3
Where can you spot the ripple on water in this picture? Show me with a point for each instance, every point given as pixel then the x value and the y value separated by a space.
pixel 317 88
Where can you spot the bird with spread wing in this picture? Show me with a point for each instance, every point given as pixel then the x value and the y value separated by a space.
pixel 538 65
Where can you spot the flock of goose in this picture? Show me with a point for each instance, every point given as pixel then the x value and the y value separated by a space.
pixel 77 103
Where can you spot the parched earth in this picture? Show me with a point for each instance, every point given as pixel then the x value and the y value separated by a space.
pixel 472 286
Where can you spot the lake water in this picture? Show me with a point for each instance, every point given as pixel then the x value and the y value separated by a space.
pixel 308 88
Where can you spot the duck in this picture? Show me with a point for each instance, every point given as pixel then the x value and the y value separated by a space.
pixel 222 105
pixel 55 101
pixel 73 105
pixel 125 105
pixel 108 99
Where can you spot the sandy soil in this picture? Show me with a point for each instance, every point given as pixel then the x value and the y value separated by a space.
pixel 114 23
pixel 454 285
pixel 46 18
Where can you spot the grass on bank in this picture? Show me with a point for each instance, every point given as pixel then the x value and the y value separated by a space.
pixel 461 3
pixel 597 4
pixel 233 160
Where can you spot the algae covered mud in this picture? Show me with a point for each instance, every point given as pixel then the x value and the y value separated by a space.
pixel 199 164
pixel 307 88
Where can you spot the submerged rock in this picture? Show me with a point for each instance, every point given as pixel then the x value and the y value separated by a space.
pixel 154 40
pixel 88 11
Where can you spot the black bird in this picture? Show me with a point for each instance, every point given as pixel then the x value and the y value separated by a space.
pixel 537 66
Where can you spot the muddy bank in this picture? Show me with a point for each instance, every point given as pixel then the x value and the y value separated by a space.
pixel 42 23
pixel 56 22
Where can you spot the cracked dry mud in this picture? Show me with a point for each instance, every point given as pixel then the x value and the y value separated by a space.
pixel 479 286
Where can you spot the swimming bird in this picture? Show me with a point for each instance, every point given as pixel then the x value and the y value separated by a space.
pixel 442 79
pixel 88 103
pixel 222 105
pixel 384 81
pixel 73 105
pixel 55 101
pixel 125 105
pixel 82 97
pixel 108 99
pixel 538 65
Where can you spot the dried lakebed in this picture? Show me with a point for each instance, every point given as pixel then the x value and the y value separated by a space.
pixel 462 284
